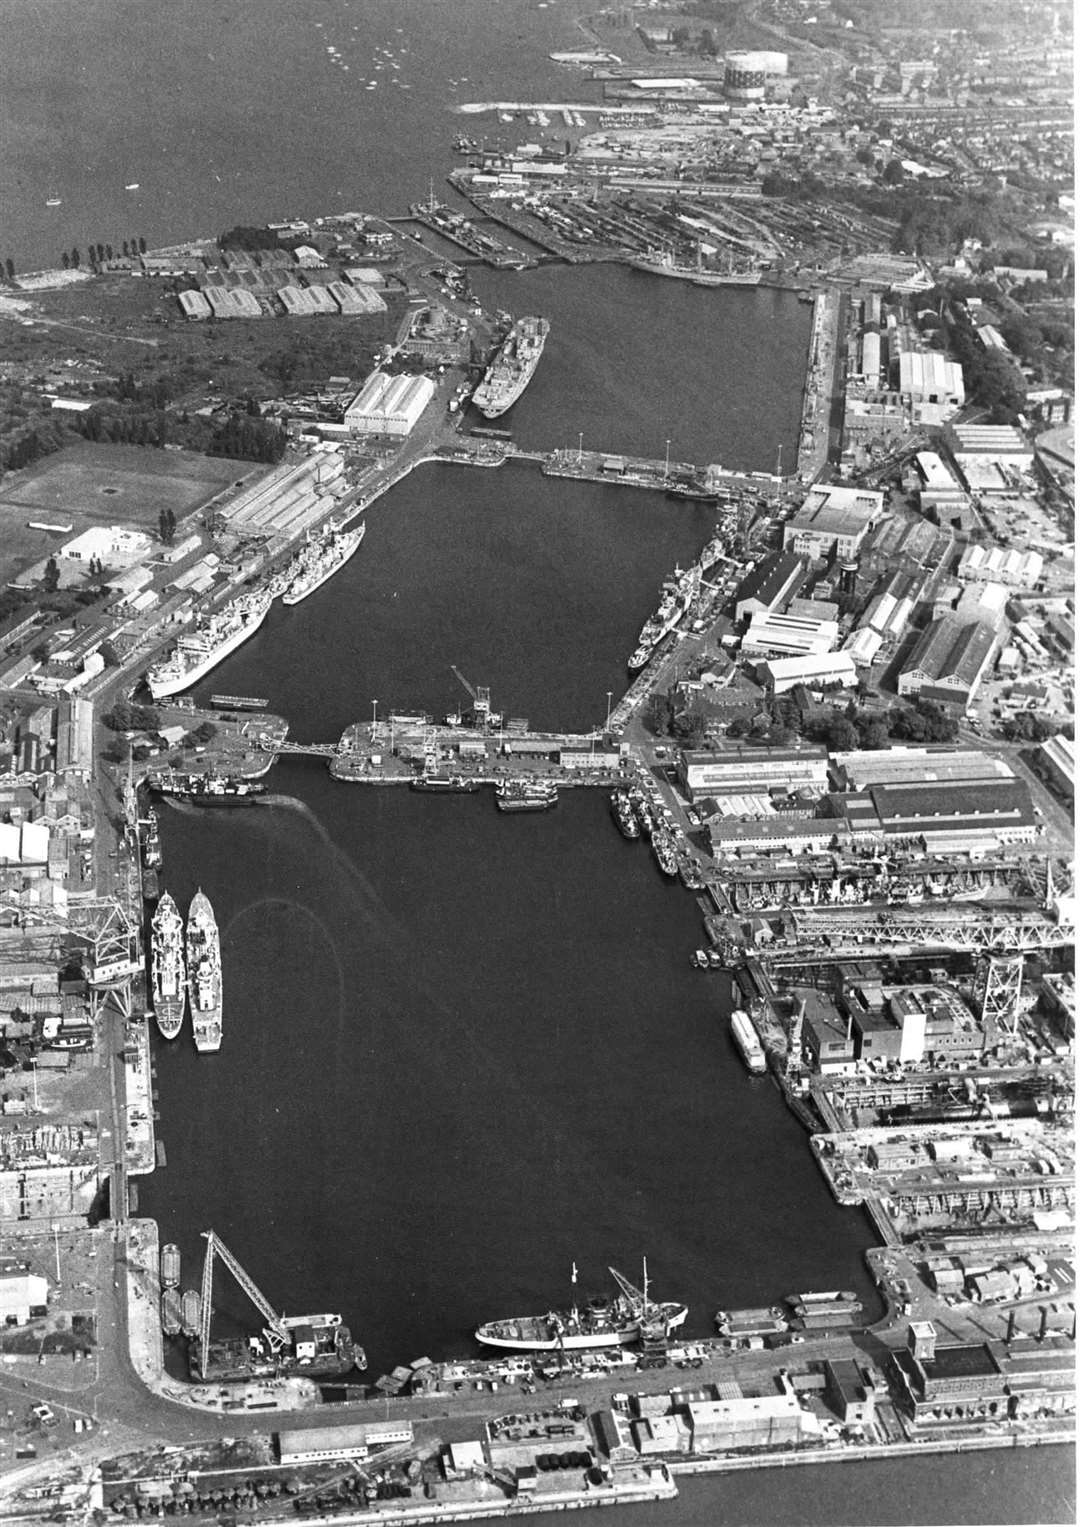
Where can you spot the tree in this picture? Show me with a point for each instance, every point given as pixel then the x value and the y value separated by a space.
pixel 166 525
pixel 893 173
pixel 840 735
pixel 126 717
pixel 738 727
pixel 142 244
pixel 50 578
pixel 75 258
pixel 117 750
pixel 9 266
pixel 65 259
pixel 657 715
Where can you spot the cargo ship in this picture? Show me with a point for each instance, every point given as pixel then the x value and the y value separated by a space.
pixel 315 1346
pixel 511 371
pixel 209 644
pixel 171 1311
pixel 208 789
pixel 190 1312
pixel 664 848
pixel 152 856
pixel 320 559
pixel 204 973
pixel 629 1317
pixel 170 1266
pixel 526 794
pixel 445 784
pixel 745 1036
pixel 168 989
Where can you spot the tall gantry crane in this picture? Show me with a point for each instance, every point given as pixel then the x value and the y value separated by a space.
pixel 483 715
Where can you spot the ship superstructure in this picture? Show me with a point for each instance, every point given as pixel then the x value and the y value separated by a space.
pixel 168 987
pixel 209 644
pixel 204 973
pixel 677 594
pixel 511 371
pixel 629 1317
pixel 320 558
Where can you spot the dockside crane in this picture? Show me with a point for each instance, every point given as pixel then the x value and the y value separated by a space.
pixel 483 715
pixel 275 1330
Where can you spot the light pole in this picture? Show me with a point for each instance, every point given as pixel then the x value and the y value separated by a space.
pixel 33 1073
pixel 607 720
pixel 374 715
pixel 56 1243
pixel 580 438
pixel 667 459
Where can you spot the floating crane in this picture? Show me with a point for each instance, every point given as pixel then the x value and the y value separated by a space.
pixel 275 1330
pixel 483 715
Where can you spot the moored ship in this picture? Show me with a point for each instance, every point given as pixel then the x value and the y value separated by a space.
pixel 623 811
pixel 629 1317
pixel 320 559
pixel 208 789
pixel 511 371
pixel 168 991
pixel 315 1346
pixel 209 644
pixel 445 784
pixel 745 1036
pixel 526 794
pixel 204 973
pixel 170 1266
pixel 676 600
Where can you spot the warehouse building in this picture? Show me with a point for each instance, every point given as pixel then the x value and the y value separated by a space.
pixel 768 585
pixel 999 564
pixel 1056 759
pixel 927 376
pixel 774 1420
pixel 19 1296
pixel 863 767
pixel 788 635
pixel 864 646
pixel 946 816
pixel 322 1443
pixel 389 405
pixel 945 1384
pixel 232 302
pixel 195 305
pixel 751 771
pixel 833 519
pixel 820 670
pixel 948 661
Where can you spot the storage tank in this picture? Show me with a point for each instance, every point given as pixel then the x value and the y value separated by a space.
pixel 744 78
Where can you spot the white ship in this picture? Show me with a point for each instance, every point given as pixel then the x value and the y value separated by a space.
pixel 167 984
pixel 204 973
pixel 320 559
pixel 745 1036
pixel 511 371
pixel 630 1317
pixel 209 644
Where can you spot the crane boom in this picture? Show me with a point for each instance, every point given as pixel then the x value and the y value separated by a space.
pixel 274 1330
pixel 462 680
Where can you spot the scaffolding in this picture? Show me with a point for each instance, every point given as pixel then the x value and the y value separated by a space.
pixel 1002 981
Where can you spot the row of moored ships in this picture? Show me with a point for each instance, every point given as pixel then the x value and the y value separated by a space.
pixel 511 371
pixel 677 595
pixel 220 633
pixel 185 965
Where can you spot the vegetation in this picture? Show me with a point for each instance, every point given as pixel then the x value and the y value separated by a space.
pixel 249 439
pixel 167 526
pixel 127 717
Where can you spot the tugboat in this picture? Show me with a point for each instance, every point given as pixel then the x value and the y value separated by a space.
pixel 629 1317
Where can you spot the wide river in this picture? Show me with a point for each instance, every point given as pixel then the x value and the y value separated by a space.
pixel 461 1050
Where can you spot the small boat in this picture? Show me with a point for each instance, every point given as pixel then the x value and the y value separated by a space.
pixel 526 794
pixel 53 201
pixel 133 186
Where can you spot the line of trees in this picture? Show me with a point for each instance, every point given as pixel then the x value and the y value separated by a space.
pixel 249 439
pixel 99 254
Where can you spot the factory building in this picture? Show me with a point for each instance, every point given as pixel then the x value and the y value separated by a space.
pixel 195 306
pixel 955 816
pixel 861 768
pixel 864 646
pixel 1056 759
pixel 389 405
pixel 232 302
pixel 788 635
pixel 889 616
pixel 871 357
pixel 768 585
pixel 948 661
pixel 751 771
pixel 945 1383
pixel 833 518
pixel 927 376
pixel 999 564
pixel 819 670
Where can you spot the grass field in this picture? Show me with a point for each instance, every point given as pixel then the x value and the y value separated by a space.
pixel 87 485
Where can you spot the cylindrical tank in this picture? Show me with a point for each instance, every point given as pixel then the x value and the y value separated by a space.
pixel 744 77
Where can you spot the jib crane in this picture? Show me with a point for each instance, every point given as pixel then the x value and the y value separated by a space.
pixel 481 698
pixel 275 1330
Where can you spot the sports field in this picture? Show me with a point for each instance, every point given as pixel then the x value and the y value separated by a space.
pixel 87 485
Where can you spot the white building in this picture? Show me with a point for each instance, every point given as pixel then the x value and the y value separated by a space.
pixel 788 635
pixel 818 671
pixel 833 518
pixel 19 1295
pixel 389 405
pixel 1000 564
pixel 114 545
pixel 927 376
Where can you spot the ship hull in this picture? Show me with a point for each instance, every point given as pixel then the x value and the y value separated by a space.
pixel 499 391
pixel 231 1361
pixel 293 596
pixel 167 979
pixel 442 784
pixel 164 686
pixel 169 1016
pixel 521 1336
pixel 204 975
